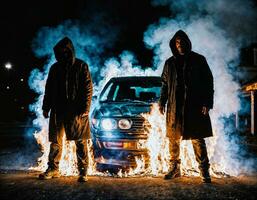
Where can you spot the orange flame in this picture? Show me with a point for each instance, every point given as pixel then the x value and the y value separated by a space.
pixel 158 148
pixel 157 145
pixel 157 142
pixel 68 162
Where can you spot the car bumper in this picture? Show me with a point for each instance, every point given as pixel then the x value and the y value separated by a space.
pixel 124 155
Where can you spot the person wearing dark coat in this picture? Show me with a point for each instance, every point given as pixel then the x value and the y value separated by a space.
pixel 187 95
pixel 68 94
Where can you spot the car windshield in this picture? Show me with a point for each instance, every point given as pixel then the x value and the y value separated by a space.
pixel 132 90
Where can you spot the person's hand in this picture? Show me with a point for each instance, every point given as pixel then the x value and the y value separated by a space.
pixel 162 109
pixel 205 110
pixel 85 114
pixel 45 114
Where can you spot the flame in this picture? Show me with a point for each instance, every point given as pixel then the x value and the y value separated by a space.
pixel 158 149
pixel 42 139
pixel 157 142
pixel 68 162
pixel 157 145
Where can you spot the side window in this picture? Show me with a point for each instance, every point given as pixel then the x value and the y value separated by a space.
pixel 106 94
pixel 115 92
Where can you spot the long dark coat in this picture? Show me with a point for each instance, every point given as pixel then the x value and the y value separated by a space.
pixel 198 93
pixel 68 94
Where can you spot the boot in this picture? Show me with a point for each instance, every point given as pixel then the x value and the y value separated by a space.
pixel 205 175
pixel 82 178
pixel 49 173
pixel 174 171
pixel 83 175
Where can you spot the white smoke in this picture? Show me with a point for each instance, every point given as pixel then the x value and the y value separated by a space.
pixel 89 46
pixel 215 32
pixel 125 65
pixel 86 48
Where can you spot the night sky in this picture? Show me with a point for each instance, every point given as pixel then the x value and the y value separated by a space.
pixel 20 22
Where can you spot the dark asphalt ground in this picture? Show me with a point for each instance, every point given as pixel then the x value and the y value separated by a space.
pixel 20 152
pixel 25 185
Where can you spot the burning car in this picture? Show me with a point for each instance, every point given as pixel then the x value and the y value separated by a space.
pixel 117 126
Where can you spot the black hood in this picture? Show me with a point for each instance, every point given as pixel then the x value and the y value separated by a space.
pixel 181 34
pixel 67 44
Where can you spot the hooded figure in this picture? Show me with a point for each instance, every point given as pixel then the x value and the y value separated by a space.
pixel 187 90
pixel 68 94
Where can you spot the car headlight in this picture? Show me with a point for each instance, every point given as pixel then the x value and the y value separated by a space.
pixel 108 124
pixel 124 124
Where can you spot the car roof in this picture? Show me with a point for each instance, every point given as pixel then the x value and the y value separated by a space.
pixel 136 78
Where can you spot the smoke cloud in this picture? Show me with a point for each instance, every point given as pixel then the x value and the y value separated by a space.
pixel 91 41
pixel 125 65
pixel 90 46
pixel 217 31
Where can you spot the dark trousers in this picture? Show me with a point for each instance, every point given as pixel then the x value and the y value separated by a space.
pixel 56 151
pixel 200 151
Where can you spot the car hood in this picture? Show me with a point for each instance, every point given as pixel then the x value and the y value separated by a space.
pixel 123 109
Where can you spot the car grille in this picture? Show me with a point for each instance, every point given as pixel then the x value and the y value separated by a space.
pixel 139 124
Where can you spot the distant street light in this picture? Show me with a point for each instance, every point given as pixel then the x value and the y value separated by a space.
pixel 8 66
